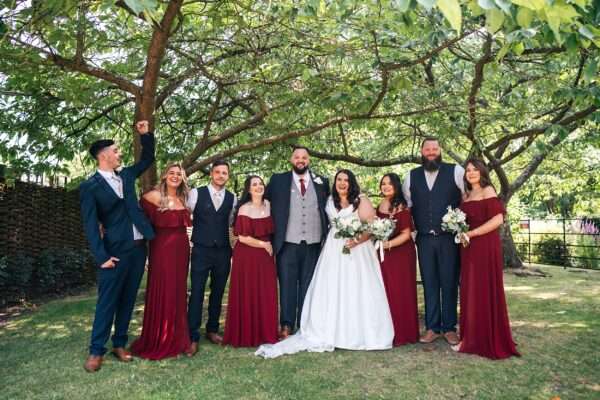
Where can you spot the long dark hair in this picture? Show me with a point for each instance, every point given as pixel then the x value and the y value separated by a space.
pixel 484 174
pixel 246 196
pixel 353 190
pixel 398 195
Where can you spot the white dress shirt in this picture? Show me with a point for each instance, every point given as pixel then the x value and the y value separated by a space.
pixel 430 177
pixel 116 183
pixel 217 196
pixel 305 176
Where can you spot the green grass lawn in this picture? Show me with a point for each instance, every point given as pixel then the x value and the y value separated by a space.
pixel 556 322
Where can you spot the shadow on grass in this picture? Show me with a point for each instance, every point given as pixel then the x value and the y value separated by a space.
pixel 41 355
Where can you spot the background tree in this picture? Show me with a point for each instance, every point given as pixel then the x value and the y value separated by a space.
pixel 358 82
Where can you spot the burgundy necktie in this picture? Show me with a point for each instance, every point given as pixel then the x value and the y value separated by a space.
pixel 302 187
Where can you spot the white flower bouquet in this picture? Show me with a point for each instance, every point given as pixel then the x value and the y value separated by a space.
pixel 348 228
pixel 455 221
pixel 381 229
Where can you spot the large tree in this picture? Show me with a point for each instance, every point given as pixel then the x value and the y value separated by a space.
pixel 357 81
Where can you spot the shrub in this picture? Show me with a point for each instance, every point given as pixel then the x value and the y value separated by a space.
pixel 53 271
pixel 60 269
pixel 15 277
pixel 551 250
pixel 587 252
pixel 523 250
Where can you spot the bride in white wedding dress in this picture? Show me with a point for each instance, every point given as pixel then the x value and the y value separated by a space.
pixel 346 304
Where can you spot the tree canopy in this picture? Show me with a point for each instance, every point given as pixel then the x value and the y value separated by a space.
pixel 360 82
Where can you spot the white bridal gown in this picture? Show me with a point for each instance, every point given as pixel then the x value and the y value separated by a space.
pixel 345 305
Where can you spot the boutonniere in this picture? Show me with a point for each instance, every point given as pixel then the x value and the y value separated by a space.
pixel 316 179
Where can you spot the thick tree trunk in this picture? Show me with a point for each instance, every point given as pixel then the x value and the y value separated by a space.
pixel 511 256
pixel 149 178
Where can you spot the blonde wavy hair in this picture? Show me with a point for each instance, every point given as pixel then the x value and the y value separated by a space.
pixel 182 190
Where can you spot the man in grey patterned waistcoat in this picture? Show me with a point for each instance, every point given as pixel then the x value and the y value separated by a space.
pixel 298 200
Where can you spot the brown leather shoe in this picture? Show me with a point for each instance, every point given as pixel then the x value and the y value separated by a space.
pixel 192 350
pixel 122 354
pixel 429 337
pixel 93 363
pixel 451 337
pixel 214 338
pixel 285 332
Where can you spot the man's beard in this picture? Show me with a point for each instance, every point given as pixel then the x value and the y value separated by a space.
pixel 431 165
pixel 300 171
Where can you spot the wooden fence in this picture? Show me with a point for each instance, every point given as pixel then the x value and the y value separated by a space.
pixel 35 217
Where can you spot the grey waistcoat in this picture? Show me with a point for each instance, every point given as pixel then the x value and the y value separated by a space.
pixel 304 222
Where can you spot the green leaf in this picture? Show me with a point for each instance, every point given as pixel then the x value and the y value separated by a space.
pixel 452 12
pixel 486 4
pixel 504 5
pixel 586 31
pixel 494 19
pixel 475 9
pixel 401 5
pixel 590 71
pixel 502 52
pixel 428 4
pixel 518 48
pixel 524 17
pixel 531 4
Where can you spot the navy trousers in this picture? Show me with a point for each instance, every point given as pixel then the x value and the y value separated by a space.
pixel 117 292
pixel 213 262
pixel 440 268
pixel 295 268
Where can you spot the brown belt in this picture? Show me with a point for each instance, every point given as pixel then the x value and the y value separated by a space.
pixel 139 242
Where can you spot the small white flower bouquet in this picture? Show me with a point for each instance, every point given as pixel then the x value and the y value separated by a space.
pixel 348 228
pixel 455 221
pixel 381 229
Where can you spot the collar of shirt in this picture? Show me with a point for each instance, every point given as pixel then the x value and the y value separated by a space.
pixel 304 176
pixel 108 174
pixel 214 191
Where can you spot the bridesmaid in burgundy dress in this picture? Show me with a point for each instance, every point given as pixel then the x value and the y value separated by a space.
pixel 252 305
pixel 165 330
pixel 399 268
pixel 484 325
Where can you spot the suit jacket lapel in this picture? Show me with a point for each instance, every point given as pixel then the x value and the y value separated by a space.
pixel 318 189
pixel 105 185
pixel 288 185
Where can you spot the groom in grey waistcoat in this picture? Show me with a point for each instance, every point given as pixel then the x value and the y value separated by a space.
pixel 298 200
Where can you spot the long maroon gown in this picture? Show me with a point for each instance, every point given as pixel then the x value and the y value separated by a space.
pixel 484 324
pixel 399 271
pixel 165 330
pixel 252 305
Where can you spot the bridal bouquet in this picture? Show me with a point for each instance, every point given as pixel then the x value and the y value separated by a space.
pixel 348 228
pixel 380 230
pixel 455 221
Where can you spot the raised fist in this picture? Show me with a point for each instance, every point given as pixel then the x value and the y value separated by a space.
pixel 142 127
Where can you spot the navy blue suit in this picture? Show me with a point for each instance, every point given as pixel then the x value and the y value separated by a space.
pixel 117 287
pixel 295 262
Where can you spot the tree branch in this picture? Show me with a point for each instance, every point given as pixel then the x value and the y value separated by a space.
pixel 364 162
pixel 74 65
pixel 426 56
